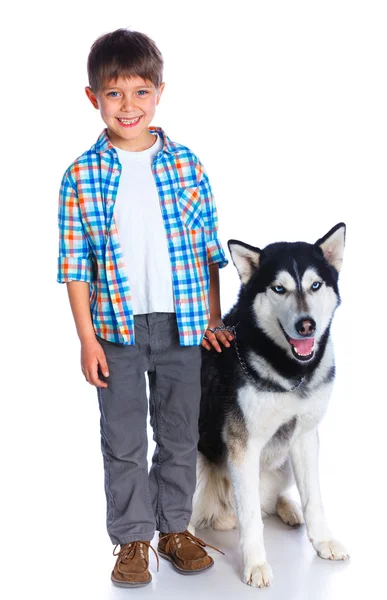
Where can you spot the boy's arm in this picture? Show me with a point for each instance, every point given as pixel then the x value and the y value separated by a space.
pixel 92 353
pixel 215 252
pixel 75 256
pixel 75 268
pixel 79 296
pixel 211 339
pixel 74 260
pixel 216 260
pixel 215 311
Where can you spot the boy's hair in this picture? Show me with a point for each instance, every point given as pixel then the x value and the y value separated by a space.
pixel 124 53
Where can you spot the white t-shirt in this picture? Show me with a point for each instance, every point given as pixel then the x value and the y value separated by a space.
pixel 141 231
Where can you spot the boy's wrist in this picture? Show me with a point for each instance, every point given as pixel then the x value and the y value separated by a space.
pixel 215 315
pixel 87 337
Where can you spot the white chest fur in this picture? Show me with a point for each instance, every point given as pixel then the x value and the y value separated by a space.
pixel 266 412
pixel 274 420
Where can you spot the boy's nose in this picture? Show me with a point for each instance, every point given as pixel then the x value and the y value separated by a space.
pixel 127 104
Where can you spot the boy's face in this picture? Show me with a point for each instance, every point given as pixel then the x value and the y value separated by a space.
pixel 127 106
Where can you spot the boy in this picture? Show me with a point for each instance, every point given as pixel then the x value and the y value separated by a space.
pixel 139 252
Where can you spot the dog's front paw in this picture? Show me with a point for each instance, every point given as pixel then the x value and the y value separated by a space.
pixel 258 575
pixel 331 549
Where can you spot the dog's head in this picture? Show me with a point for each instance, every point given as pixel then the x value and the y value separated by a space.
pixel 292 288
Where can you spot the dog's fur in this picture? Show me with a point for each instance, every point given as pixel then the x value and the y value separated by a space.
pixel 263 398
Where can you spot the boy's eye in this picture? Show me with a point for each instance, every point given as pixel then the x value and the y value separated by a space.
pixel 142 92
pixel 278 289
pixel 113 94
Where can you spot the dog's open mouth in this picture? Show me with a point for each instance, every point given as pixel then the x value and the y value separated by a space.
pixel 303 348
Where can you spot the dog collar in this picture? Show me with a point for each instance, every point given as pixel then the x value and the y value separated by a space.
pixel 232 329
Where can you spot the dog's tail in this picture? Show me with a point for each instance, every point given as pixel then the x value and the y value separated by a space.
pixel 213 502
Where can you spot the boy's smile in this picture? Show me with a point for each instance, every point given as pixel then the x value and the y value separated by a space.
pixel 127 107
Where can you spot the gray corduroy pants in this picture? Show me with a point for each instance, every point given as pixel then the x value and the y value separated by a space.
pixel 139 503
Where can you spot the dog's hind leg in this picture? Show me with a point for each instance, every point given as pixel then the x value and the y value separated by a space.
pixel 289 511
pixel 225 521
pixel 213 502
pixel 275 498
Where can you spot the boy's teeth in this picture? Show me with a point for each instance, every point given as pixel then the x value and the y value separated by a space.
pixel 129 121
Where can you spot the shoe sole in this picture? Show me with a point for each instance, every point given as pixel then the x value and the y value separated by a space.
pixel 184 571
pixel 127 584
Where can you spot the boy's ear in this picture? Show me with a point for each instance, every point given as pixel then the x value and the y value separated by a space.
pixel 91 96
pixel 160 91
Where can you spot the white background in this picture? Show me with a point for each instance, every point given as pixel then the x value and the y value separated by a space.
pixel 285 104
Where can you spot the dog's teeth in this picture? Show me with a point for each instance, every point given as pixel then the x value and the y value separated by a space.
pixel 301 354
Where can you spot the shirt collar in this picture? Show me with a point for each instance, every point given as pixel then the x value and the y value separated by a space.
pixel 103 144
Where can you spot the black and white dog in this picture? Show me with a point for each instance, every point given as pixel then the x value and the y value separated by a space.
pixel 263 398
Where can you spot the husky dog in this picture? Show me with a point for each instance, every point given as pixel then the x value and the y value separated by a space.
pixel 263 398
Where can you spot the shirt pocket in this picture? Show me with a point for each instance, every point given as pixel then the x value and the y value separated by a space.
pixel 190 207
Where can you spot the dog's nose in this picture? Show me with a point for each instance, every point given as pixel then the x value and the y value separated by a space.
pixel 306 327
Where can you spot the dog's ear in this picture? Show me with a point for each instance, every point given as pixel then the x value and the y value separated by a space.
pixel 332 245
pixel 245 258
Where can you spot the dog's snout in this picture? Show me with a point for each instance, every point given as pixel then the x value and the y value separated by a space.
pixel 306 327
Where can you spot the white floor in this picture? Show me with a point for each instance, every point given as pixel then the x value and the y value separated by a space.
pixel 82 571
pixel 299 573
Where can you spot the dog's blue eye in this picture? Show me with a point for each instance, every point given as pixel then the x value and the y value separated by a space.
pixel 316 286
pixel 278 289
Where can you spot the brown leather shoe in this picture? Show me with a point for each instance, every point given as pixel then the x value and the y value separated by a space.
pixel 185 552
pixel 131 568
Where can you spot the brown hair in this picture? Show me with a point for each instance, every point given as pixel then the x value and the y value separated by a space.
pixel 124 53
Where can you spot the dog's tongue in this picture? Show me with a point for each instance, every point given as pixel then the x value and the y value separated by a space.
pixel 303 346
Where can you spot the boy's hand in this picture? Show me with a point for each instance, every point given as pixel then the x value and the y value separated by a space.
pixel 212 339
pixel 92 355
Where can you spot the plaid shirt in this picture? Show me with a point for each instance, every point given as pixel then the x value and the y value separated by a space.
pixel 89 247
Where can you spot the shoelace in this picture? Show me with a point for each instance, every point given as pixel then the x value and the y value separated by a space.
pixel 128 551
pixel 186 534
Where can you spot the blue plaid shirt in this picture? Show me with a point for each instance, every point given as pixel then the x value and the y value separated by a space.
pixel 89 248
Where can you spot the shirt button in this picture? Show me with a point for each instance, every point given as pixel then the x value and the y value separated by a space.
pixel 110 203
pixel 116 172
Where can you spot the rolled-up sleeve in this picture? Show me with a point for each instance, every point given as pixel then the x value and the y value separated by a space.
pixel 215 252
pixel 75 256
